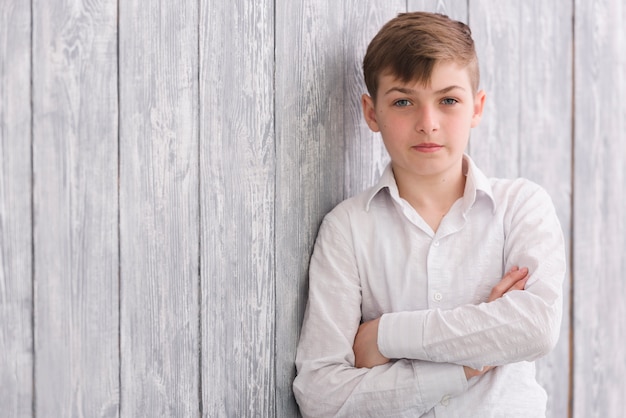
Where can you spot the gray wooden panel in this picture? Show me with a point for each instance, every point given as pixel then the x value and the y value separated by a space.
pixel 309 159
pixel 599 220
pixel 159 215
pixel 16 340
pixel 75 208
pixel 325 152
pixel 365 154
pixel 455 9
pixel 545 155
pixel 496 30
pixel 237 160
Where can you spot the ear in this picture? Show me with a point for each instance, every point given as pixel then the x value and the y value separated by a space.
pixel 369 112
pixel 479 105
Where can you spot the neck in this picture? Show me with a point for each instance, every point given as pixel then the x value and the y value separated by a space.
pixel 431 196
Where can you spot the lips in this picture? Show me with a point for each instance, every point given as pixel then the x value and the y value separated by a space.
pixel 428 147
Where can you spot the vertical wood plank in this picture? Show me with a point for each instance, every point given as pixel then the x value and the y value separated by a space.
pixel 365 154
pixel 545 151
pixel 496 32
pixel 159 208
pixel 237 159
pixel 75 208
pixel 16 292
pixel 454 9
pixel 309 159
pixel 599 220
pixel 324 152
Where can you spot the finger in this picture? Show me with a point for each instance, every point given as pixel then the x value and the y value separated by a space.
pixel 520 285
pixel 509 280
pixel 512 277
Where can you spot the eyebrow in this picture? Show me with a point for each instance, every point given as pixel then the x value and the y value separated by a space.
pixel 405 90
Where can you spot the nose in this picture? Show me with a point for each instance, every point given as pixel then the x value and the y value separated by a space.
pixel 426 120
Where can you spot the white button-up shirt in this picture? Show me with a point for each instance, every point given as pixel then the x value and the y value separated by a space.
pixel 376 257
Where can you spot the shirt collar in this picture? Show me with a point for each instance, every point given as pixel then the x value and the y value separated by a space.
pixel 477 185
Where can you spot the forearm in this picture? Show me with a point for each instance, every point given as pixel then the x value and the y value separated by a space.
pixel 521 325
pixel 397 387
pixel 517 327
pixel 328 383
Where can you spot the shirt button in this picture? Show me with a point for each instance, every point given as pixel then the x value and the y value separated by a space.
pixel 445 401
pixel 436 244
pixel 437 297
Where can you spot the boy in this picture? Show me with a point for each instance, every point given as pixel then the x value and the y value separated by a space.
pixel 416 306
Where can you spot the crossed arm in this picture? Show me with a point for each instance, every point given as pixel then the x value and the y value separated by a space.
pixel 365 346
pixel 336 356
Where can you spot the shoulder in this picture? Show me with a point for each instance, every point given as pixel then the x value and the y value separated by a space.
pixel 524 203
pixel 513 192
pixel 354 215
pixel 355 207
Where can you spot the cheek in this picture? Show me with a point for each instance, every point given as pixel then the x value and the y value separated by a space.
pixel 460 123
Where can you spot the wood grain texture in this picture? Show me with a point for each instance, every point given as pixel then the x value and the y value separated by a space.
pixel 496 30
pixel 599 221
pixel 75 208
pixel 454 9
pixel 325 152
pixel 16 333
pixel 309 159
pixel 545 154
pixel 159 215
pixel 237 208
pixel 365 154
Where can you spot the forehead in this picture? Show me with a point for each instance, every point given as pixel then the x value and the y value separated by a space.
pixel 443 75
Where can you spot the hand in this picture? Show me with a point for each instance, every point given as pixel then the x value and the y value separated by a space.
pixel 469 372
pixel 365 346
pixel 514 279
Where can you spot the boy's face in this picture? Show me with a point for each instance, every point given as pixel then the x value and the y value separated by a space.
pixel 426 128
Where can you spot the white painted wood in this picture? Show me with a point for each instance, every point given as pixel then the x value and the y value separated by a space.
pixel 159 215
pixel 454 9
pixel 75 208
pixel 237 166
pixel 599 226
pixel 16 340
pixel 309 158
pixel 325 152
pixel 545 155
pixel 496 31
pixel 365 154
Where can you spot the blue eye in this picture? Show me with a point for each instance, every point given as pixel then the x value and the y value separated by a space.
pixel 402 103
pixel 449 101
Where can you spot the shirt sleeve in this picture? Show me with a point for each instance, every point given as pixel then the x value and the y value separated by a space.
pixel 521 325
pixel 327 383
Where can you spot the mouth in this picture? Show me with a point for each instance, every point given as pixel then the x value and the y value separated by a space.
pixel 427 147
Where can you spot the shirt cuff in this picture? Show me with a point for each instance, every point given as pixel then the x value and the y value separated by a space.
pixel 439 382
pixel 400 335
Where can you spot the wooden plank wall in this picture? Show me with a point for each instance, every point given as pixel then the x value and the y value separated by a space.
pixel 159 211
pixel 599 233
pixel 165 167
pixel 16 233
pixel 75 209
